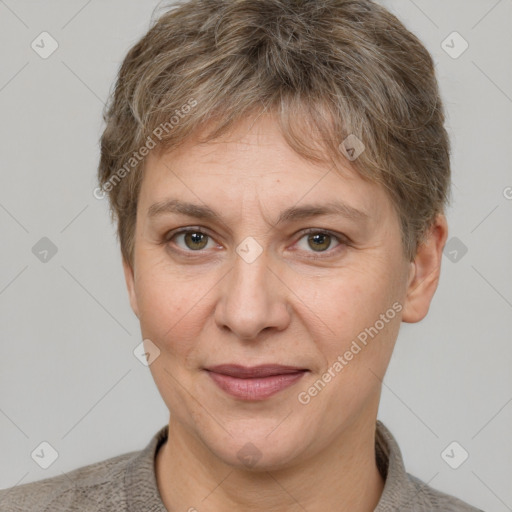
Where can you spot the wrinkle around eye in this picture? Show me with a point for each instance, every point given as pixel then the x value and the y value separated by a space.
pixel 341 241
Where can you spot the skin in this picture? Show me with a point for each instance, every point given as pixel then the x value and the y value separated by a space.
pixel 282 308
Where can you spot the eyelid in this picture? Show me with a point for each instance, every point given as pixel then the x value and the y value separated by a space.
pixel 339 236
pixel 183 230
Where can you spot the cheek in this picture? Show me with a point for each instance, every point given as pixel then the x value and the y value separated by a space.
pixel 359 315
pixel 355 346
pixel 169 310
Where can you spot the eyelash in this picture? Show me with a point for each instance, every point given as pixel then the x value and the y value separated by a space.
pixel 341 239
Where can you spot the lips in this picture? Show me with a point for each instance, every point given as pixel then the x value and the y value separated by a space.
pixel 254 383
pixel 244 372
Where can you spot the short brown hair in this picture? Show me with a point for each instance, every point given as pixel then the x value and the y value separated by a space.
pixel 332 68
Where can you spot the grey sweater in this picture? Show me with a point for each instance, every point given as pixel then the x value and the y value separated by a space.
pixel 128 483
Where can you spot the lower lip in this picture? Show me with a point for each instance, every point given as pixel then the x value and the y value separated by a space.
pixel 256 388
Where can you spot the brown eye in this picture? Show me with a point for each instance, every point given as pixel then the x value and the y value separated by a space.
pixel 319 241
pixel 193 240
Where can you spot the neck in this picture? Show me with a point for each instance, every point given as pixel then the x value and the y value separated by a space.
pixel 344 477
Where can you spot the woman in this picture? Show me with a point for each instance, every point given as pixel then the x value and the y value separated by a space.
pixel 278 171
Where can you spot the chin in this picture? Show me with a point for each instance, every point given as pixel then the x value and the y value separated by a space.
pixel 257 449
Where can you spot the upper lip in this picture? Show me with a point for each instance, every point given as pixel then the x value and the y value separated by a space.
pixel 246 372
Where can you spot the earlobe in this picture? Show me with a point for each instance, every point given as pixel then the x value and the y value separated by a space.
pixel 130 285
pixel 425 272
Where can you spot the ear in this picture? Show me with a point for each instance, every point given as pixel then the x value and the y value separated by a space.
pixel 425 272
pixel 130 285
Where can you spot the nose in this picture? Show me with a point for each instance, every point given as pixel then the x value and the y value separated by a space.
pixel 253 299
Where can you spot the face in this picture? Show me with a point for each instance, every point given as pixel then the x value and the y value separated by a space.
pixel 267 280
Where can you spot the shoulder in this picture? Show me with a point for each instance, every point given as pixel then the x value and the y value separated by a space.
pixel 427 498
pixel 94 487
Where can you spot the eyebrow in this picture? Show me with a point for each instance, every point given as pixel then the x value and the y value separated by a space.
pixel 291 214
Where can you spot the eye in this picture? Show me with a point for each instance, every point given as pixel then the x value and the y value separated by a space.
pixel 320 241
pixel 197 240
pixel 193 239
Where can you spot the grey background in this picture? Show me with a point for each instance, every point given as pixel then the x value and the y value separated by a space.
pixel 68 375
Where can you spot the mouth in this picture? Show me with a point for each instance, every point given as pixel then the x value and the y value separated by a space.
pixel 254 383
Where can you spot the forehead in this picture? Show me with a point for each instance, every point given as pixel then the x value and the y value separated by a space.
pixel 253 162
